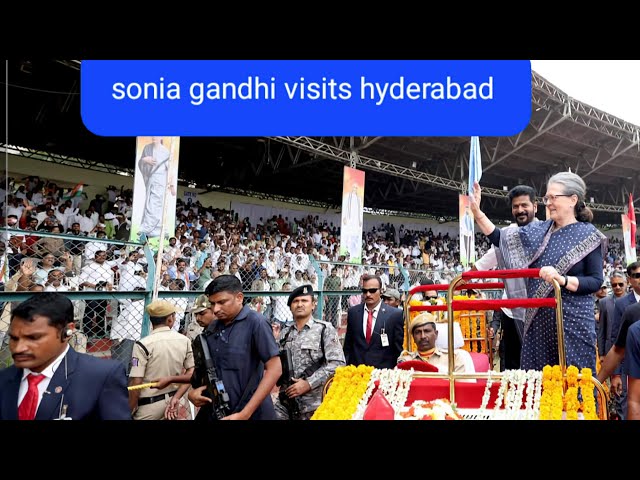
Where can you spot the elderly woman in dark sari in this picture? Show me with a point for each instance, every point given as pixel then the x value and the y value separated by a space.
pixel 566 248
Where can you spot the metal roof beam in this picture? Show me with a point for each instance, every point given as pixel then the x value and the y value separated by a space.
pixel 333 153
pixel 617 152
pixel 526 142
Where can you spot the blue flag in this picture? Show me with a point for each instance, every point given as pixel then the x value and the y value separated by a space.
pixel 475 163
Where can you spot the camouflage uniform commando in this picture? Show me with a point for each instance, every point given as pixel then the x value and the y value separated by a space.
pixel 306 349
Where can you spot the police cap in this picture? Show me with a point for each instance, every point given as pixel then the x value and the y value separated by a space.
pixel 201 304
pixel 301 291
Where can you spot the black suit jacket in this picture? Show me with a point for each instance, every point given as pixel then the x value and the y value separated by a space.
pixel 606 337
pixel 356 349
pixel 92 388
pixel 621 305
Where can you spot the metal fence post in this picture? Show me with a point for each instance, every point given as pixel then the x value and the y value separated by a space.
pixel 320 275
pixel 151 277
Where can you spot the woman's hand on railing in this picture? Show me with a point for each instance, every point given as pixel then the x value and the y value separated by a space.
pixel 549 274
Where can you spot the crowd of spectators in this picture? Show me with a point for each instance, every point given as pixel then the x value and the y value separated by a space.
pixel 266 254
pixel 276 254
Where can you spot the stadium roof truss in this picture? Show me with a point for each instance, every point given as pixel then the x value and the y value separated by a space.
pixel 422 175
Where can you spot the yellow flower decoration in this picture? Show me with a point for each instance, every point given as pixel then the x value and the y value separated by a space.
pixel 588 398
pixel 553 402
pixel 347 388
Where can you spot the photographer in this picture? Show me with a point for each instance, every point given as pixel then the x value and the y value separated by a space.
pixel 315 353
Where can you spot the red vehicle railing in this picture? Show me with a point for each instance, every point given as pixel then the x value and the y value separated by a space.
pixel 461 283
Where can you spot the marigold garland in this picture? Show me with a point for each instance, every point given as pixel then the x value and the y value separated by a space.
pixel 551 399
pixel 350 384
pixel 347 388
pixel 473 326
pixel 571 403
pixel 588 398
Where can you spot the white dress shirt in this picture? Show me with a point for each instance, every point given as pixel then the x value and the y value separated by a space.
pixel 44 384
pixel 376 310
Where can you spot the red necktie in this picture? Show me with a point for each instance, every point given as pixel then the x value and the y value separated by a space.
pixel 369 325
pixel 29 404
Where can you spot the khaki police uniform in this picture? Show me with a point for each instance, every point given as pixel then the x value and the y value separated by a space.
pixel 163 353
pixel 438 358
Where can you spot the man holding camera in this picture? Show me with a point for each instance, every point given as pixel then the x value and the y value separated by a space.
pixel 314 351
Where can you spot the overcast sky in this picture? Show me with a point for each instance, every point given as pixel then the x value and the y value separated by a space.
pixel 612 86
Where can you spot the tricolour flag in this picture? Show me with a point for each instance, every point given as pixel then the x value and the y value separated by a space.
pixel 475 163
pixel 74 193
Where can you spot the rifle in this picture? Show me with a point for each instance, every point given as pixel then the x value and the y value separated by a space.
pixel 291 404
pixel 205 374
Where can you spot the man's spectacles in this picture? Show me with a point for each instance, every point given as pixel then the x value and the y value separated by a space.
pixel 370 290
pixel 431 297
pixel 635 275
pixel 614 285
pixel 547 199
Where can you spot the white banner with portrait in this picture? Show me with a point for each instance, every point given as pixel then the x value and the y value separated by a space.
pixel 155 188
pixel 467 237
pixel 352 215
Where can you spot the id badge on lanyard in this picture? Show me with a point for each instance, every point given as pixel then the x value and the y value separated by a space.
pixel 384 338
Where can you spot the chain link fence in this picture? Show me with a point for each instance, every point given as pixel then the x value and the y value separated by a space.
pixel 438 276
pixel 111 282
pixel 106 280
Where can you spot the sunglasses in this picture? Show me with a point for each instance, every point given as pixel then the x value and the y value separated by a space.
pixel 370 290
pixel 614 285
pixel 635 275
pixel 431 297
